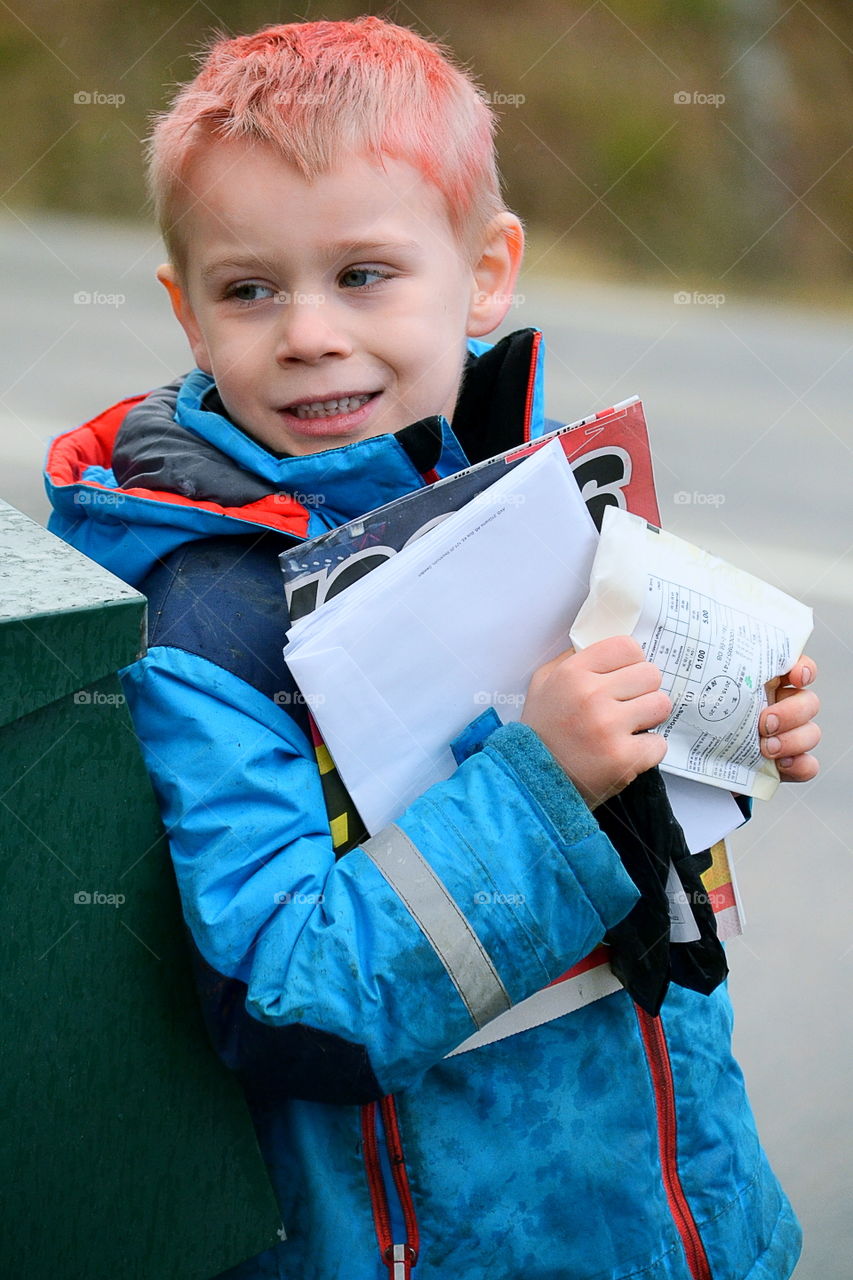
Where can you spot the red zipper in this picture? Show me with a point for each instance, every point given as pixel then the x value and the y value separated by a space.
pixel 531 385
pixel 399 1258
pixel 388 1108
pixel 657 1054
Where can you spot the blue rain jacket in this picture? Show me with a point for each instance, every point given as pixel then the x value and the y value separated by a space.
pixel 600 1143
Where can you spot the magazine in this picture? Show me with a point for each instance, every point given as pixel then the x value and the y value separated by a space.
pixel 610 458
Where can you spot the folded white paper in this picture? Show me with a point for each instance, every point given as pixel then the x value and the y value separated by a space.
pixel 398 664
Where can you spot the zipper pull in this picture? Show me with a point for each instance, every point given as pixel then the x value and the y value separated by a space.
pixel 399 1259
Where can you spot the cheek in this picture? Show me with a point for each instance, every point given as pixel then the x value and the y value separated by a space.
pixel 234 359
pixel 429 341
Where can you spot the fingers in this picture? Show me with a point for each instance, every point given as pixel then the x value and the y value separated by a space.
pixel 794 708
pixel 800 769
pixel 615 655
pixel 649 710
pixel 611 654
pixel 788 732
pixel 634 681
pixel 648 749
pixel 803 672
pixel 785 745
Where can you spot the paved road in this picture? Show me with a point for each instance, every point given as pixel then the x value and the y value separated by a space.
pixel 749 409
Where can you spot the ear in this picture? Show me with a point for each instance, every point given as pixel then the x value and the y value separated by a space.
pixel 168 277
pixel 495 273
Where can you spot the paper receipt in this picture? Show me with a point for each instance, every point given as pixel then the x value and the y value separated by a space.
pixel 718 635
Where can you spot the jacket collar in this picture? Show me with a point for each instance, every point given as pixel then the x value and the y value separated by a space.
pixel 170 467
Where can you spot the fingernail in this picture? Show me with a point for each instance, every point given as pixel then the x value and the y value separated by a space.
pixel 773 745
pixel 771 724
pixel 808 675
pixel 786 763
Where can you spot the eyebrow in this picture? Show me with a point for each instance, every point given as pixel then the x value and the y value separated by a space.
pixel 345 247
pixel 340 249
pixel 232 264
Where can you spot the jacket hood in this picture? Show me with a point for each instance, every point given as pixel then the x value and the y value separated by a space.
pixel 159 470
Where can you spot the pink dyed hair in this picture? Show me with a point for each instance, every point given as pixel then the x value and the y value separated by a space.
pixel 318 91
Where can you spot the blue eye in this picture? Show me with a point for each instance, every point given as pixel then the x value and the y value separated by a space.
pixel 355 277
pixel 248 291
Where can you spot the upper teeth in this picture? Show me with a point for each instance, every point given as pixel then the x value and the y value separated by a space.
pixel 325 408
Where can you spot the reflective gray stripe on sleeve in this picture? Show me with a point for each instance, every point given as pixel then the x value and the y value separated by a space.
pixel 454 941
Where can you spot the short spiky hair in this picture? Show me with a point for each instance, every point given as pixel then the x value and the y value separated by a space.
pixel 319 91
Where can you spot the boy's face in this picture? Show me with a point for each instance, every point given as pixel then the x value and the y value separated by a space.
pixel 330 311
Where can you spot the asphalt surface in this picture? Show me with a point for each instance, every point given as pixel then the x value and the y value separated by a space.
pixel 749 409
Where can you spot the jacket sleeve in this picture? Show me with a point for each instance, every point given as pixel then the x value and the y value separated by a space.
pixel 345 980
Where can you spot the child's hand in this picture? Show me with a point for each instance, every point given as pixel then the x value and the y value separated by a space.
pixel 786 728
pixel 589 708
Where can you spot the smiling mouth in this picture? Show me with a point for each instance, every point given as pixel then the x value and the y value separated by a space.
pixel 330 408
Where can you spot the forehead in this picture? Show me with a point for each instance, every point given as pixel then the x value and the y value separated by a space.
pixel 246 196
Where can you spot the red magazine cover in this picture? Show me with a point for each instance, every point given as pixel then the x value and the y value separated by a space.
pixel 610 458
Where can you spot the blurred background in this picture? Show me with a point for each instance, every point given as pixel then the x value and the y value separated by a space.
pixel 683 170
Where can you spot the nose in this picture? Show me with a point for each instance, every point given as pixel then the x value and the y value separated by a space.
pixel 310 327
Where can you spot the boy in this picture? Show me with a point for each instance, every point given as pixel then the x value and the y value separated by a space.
pixel 331 208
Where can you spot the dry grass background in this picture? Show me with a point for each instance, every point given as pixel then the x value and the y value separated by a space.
pixel 610 172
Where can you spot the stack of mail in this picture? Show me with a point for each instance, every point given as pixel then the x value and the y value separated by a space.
pixel 396 666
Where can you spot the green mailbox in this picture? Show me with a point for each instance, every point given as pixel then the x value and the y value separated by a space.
pixel 128 1150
